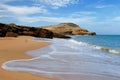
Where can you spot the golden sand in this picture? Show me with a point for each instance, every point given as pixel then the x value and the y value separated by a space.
pixel 14 49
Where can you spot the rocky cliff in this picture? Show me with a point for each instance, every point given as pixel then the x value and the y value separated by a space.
pixel 59 31
pixel 68 29
pixel 13 30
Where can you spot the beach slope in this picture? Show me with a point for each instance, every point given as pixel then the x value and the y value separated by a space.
pixel 14 49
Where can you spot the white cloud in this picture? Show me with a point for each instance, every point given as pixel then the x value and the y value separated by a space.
pixel 1 16
pixel 23 10
pixel 82 20
pixel 103 6
pixel 82 13
pixel 57 3
pixel 116 18
pixel 5 1
pixel 2 11
pixel 22 13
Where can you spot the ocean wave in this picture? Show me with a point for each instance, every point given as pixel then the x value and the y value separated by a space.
pixel 78 42
pixel 106 49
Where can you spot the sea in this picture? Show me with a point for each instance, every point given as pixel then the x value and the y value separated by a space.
pixel 110 43
pixel 80 58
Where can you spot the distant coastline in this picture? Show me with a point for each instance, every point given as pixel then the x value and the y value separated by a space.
pixel 62 30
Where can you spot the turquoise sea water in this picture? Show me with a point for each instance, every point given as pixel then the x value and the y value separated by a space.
pixel 107 42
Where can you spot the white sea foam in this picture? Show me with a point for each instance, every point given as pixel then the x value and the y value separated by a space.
pixel 68 60
pixel 114 51
pixel 107 49
pixel 98 47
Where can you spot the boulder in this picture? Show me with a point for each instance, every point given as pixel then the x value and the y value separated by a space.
pixel 43 33
pixel 11 34
pixel 57 35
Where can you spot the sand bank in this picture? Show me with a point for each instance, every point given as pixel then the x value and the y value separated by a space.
pixel 14 49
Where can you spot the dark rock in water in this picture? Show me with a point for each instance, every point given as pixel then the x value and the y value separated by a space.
pixel 92 33
pixel 57 35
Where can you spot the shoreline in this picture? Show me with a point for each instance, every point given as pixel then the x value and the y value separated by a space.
pixel 69 60
pixel 13 49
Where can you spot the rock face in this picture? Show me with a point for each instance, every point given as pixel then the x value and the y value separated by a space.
pixel 57 35
pixel 13 30
pixel 59 31
pixel 11 34
pixel 68 29
pixel 43 33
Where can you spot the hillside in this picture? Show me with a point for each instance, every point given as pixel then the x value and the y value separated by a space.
pixel 13 30
pixel 58 31
pixel 68 29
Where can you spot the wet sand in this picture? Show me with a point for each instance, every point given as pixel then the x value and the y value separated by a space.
pixel 14 49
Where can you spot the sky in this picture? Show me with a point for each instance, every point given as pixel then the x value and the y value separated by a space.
pixel 100 16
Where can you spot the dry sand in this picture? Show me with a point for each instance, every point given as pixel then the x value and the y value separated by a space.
pixel 15 48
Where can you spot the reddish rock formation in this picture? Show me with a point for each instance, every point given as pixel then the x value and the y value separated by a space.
pixel 11 34
pixel 43 33
pixel 57 35
pixel 68 29
pixel 58 31
pixel 13 30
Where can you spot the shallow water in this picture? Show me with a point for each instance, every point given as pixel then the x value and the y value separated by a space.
pixel 108 43
pixel 69 60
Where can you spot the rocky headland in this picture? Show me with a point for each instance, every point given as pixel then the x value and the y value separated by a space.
pixel 68 29
pixel 62 30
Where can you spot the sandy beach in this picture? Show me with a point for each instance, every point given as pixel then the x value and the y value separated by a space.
pixel 14 49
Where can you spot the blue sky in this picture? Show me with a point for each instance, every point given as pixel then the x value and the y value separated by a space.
pixel 100 16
